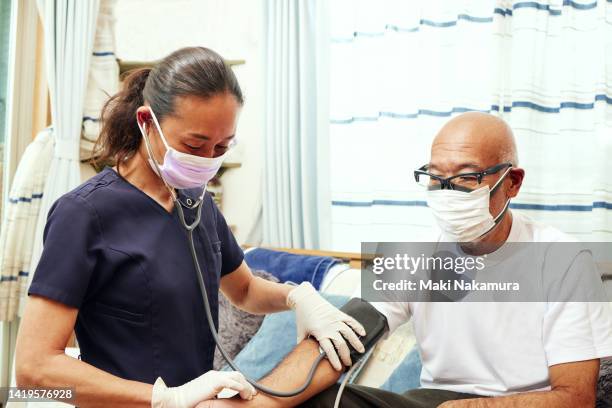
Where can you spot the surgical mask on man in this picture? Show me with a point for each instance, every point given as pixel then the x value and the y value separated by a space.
pixel 181 170
pixel 465 216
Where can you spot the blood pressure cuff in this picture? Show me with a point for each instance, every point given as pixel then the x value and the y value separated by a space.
pixel 374 323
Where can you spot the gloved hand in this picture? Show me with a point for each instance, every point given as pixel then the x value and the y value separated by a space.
pixel 205 387
pixel 317 317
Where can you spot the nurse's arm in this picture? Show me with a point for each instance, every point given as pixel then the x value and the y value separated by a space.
pixel 41 363
pixel 254 294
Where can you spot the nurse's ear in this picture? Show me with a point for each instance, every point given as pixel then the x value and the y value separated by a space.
pixel 143 116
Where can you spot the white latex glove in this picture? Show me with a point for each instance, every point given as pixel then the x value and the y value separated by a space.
pixel 317 317
pixel 203 388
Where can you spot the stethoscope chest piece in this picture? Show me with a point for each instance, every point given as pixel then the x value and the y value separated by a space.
pixel 190 205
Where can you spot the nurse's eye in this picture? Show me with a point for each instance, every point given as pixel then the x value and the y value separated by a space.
pixel 192 147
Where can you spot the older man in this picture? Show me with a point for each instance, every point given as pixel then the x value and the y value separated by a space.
pixel 532 354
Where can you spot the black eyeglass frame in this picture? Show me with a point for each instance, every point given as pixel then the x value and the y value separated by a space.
pixel 447 182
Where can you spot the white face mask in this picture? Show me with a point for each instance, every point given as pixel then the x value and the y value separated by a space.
pixel 464 217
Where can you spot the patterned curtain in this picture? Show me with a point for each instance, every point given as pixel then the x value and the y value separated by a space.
pixel 400 70
pixel 103 76
pixel 19 223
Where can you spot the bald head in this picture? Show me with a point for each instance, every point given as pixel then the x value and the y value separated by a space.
pixel 472 141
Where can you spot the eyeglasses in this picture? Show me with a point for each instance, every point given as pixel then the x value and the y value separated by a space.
pixel 461 182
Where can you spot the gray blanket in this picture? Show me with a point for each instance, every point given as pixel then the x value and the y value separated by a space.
pixel 236 327
pixel 604 387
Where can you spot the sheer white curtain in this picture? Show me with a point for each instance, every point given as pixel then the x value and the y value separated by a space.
pixel 400 70
pixel 295 138
pixel 69 28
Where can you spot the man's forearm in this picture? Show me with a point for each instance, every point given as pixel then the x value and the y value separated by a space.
pixel 288 375
pixel 291 373
pixel 560 398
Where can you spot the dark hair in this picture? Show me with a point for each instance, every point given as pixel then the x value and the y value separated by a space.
pixel 190 71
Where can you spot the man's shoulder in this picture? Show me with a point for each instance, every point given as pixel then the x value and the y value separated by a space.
pixel 537 231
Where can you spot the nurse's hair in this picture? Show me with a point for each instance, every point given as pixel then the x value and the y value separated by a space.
pixel 190 71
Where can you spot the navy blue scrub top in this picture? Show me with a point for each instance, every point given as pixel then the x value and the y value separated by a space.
pixel 123 260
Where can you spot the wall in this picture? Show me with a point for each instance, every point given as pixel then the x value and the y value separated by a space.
pixel 150 29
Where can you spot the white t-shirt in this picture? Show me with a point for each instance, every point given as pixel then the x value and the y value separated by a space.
pixel 495 349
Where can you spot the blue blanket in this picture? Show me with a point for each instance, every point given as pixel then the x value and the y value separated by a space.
pixel 290 267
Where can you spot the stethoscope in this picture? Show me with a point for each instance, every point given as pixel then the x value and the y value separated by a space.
pixel 197 205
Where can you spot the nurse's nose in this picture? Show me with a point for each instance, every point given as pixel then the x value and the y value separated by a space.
pixel 208 151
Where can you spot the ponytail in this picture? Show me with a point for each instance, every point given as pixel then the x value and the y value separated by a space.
pixel 120 136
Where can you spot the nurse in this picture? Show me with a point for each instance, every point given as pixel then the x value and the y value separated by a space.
pixel 117 268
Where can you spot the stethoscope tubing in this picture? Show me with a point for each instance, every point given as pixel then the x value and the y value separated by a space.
pixel 213 330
